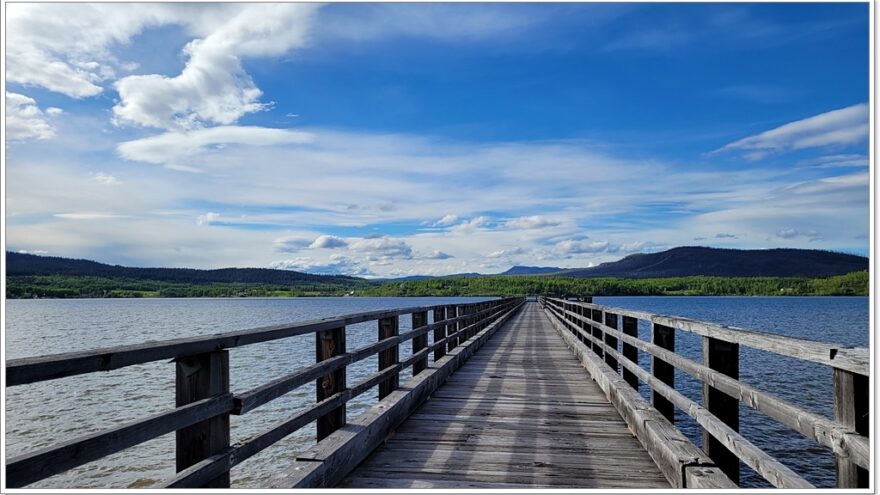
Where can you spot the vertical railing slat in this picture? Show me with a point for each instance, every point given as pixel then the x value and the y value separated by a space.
pixel 723 357
pixel 851 406
pixel 329 343
pixel 439 332
pixel 199 377
pixel 664 337
pixel 389 327
pixel 419 319
pixel 630 327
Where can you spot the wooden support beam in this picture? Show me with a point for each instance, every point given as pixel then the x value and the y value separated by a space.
pixel 611 341
pixel 389 327
pixel 439 332
pixel 851 406
pixel 419 319
pixel 723 357
pixel 197 378
pixel 329 343
pixel 631 328
pixel 663 336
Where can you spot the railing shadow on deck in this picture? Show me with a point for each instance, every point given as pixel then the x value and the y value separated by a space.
pixel 594 329
pixel 204 401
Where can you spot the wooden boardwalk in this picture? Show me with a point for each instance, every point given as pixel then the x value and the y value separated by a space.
pixel 521 413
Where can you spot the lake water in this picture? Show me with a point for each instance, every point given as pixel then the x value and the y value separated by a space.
pixel 46 413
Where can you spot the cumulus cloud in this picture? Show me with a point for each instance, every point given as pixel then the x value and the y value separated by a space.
pixel 383 248
pixel 213 88
pixel 25 120
pixel 328 242
pixel 338 265
pixel 530 222
pixel 845 126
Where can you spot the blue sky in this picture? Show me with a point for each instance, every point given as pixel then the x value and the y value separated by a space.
pixel 399 139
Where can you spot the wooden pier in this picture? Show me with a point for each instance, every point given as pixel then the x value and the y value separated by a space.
pixel 506 394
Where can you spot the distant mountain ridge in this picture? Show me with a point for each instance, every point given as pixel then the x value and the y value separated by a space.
pixel 694 260
pixel 531 270
pixel 676 262
pixel 28 264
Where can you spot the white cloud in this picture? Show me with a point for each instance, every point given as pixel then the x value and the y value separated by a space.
pixel 836 161
pixel 177 149
pixel 207 218
pixel 213 88
pixel 89 216
pixel 471 225
pixel 437 255
pixel 25 120
pixel 505 253
pixel 530 222
pixel 338 265
pixel 328 242
pixel 446 221
pixel 290 244
pixel 380 248
pixel 54 111
pixel 846 126
pixel 579 247
pixel 106 179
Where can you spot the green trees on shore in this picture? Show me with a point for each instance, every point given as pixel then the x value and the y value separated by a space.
pixel 66 286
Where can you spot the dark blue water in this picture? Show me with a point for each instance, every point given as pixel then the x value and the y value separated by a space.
pixel 46 413
pixel 843 320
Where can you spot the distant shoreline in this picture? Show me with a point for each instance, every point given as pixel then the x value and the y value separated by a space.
pixel 84 287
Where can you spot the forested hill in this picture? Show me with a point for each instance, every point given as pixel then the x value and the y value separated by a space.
pixel 691 261
pixel 18 264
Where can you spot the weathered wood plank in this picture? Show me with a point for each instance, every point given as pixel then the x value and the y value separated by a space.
pixel 664 337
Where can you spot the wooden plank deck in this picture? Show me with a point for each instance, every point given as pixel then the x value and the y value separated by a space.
pixel 521 413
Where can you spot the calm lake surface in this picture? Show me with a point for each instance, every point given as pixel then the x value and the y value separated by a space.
pixel 46 413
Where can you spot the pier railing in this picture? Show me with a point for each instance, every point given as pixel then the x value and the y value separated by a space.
pixel 611 335
pixel 204 401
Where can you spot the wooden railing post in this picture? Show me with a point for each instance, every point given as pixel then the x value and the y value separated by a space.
pixel 389 327
pixel 723 357
pixel 419 319
pixel 452 328
pixel 631 352
pixel 439 332
pixel 581 325
pixel 200 377
pixel 851 403
pixel 664 337
pixel 329 343
pixel 611 341
pixel 596 315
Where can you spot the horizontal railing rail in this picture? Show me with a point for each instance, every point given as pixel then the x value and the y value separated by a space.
pixel 597 327
pixel 204 401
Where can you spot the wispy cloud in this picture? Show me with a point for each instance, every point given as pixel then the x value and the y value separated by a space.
pixel 845 126
pixel 26 121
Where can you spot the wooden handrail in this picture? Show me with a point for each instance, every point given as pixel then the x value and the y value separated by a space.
pixel 595 325
pixel 204 403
